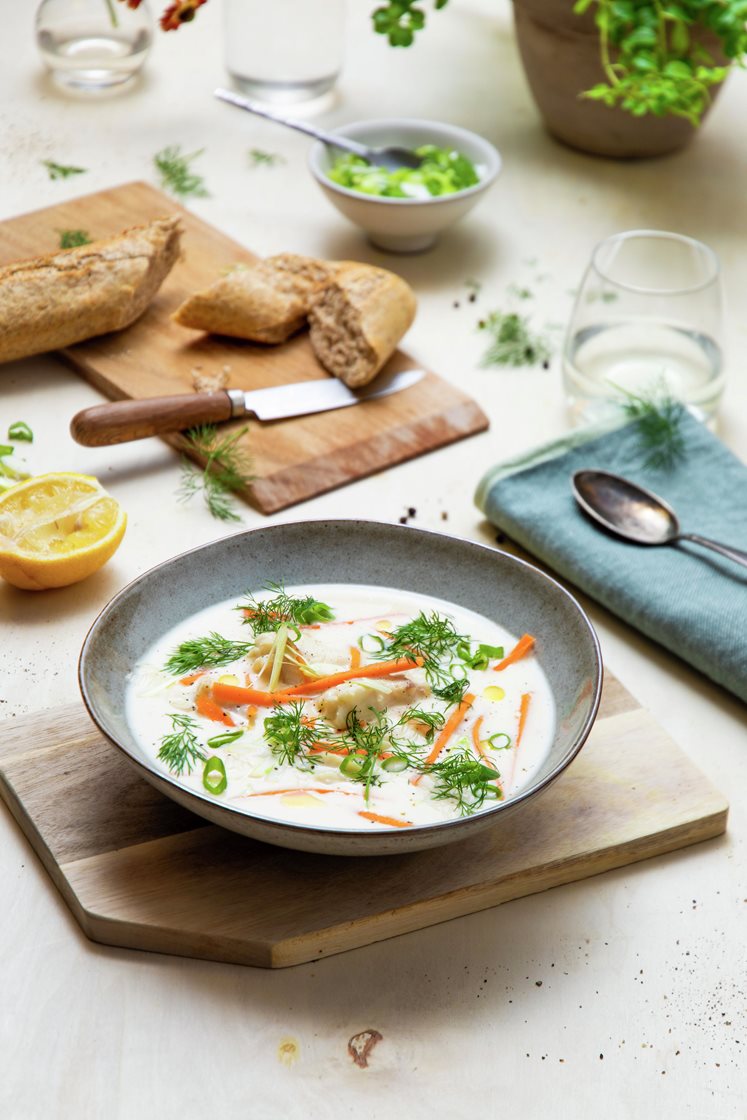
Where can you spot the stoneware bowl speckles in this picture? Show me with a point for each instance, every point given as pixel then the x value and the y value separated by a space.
pixel 497 585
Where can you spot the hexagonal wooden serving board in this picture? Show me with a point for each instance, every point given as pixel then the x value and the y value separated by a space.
pixel 138 871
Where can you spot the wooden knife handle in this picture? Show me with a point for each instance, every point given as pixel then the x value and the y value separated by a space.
pixel 122 421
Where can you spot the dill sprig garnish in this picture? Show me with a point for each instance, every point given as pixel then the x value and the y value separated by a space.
pixel 430 636
pixel 260 158
pixel 227 469
pixel 205 653
pixel 658 418
pixel 176 174
pixel 62 170
pixel 291 735
pixel 513 342
pixel 268 615
pixel 72 238
pixel 180 750
pixel 464 779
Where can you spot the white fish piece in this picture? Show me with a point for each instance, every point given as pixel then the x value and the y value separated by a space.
pixel 337 704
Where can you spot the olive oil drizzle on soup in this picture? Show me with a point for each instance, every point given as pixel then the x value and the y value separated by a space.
pixel 344 706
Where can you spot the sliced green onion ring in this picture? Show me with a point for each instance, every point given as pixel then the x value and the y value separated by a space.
pixel 351 766
pixel 214 775
pixel 500 746
pixel 459 671
pixel 394 765
pixel 377 647
pixel 224 739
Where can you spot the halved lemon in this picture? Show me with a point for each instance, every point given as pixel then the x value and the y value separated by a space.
pixel 57 529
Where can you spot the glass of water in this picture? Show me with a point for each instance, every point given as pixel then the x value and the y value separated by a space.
pixel 93 45
pixel 647 321
pixel 284 51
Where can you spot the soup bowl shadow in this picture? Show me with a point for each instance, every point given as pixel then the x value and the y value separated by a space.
pixel 499 586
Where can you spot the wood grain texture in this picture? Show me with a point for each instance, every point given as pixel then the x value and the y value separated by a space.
pixel 293 459
pixel 138 871
pixel 121 421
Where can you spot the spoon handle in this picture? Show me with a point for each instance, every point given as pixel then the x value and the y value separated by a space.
pixel 301 126
pixel 732 553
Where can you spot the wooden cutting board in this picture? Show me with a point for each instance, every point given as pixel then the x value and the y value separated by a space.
pixel 293 459
pixel 138 871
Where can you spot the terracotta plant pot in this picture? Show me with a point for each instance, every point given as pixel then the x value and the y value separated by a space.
pixel 560 52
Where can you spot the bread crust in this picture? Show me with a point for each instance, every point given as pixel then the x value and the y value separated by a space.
pixel 358 319
pixel 266 302
pixel 54 301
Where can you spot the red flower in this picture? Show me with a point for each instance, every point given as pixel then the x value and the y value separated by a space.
pixel 183 11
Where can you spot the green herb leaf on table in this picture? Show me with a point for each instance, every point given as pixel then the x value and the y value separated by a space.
pixel 20 431
pixel 205 653
pixel 513 342
pixel 61 170
pixel 176 173
pixel 72 238
pixel 260 158
pixel 658 418
pixel 227 469
pixel 180 749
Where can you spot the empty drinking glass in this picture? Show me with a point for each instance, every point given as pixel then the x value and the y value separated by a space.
pixel 93 45
pixel 647 320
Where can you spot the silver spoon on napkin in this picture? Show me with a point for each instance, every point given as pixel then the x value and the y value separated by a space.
pixel 636 514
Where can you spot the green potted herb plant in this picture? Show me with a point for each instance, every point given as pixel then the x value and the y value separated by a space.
pixel 620 78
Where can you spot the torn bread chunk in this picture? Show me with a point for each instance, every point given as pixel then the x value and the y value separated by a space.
pixel 50 302
pixel 357 320
pixel 265 302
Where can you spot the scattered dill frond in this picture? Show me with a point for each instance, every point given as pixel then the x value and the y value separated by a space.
pixel 512 341
pixel 176 174
pixel 227 469
pixel 658 417
pixel 519 292
pixel 267 615
pixel 205 653
pixel 61 170
pixel 260 158
pixel 430 636
pixel 291 735
pixel 71 238
pixel 180 750
pixel 464 779
pixel 452 692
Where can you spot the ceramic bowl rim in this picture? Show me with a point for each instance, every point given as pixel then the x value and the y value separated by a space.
pixel 356 130
pixel 533 789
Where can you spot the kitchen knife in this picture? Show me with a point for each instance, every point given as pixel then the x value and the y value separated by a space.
pixel 122 421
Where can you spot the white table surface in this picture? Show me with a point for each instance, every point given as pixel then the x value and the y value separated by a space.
pixel 621 996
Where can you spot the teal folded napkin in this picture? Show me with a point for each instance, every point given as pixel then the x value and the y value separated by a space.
pixel 690 600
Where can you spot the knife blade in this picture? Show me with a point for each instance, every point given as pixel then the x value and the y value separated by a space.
pixel 122 421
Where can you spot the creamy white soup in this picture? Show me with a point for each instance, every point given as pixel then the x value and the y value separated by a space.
pixel 344 706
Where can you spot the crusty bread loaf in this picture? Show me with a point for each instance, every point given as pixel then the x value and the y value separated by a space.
pixel 357 320
pixel 267 302
pixel 54 301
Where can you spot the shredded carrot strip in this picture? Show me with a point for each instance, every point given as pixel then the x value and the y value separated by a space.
pixel 193 677
pixel 523 709
pixel 355 657
pixel 380 669
pixel 233 694
pixel 302 789
pixel 476 736
pixel 524 646
pixel 448 730
pixel 210 710
pixel 384 820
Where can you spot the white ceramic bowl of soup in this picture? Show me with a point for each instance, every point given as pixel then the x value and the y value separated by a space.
pixel 493 593
pixel 406 225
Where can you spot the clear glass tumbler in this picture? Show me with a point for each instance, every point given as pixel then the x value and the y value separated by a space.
pixel 93 45
pixel 284 51
pixel 647 319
